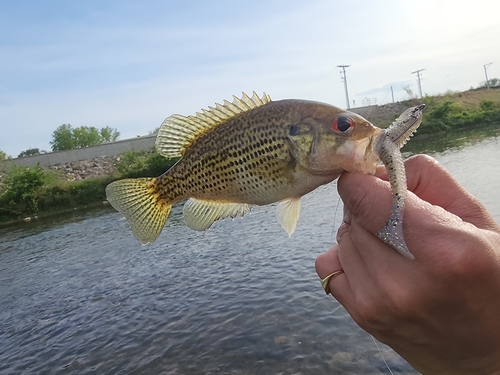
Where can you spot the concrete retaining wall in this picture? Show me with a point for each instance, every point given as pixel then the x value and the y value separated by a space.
pixel 108 149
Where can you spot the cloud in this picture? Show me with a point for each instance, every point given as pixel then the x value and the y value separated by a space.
pixel 129 65
pixel 396 86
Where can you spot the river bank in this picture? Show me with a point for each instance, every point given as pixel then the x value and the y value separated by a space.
pixel 30 192
pixel 462 102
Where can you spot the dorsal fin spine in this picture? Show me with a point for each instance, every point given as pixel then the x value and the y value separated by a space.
pixel 224 110
pixel 220 112
pixel 178 132
pixel 231 107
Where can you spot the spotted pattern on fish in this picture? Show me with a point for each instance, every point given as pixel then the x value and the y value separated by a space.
pixel 249 160
pixel 255 151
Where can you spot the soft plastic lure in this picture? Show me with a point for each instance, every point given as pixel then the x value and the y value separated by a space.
pixel 396 136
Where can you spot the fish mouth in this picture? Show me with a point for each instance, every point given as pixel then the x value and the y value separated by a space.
pixel 366 155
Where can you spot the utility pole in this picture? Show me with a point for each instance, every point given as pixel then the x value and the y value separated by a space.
pixel 419 84
pixel 486 74
pixel 345 83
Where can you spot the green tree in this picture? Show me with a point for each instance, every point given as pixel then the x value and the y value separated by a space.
pixel 65 137
pixel 3 155
pixel 108 134
pixel 154 131
pixel 62 138
pixel 86 136
pixel 494 82
pixel 30 152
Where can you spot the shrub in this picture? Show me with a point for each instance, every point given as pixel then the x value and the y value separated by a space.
pixel 143 164
pixel 487 105
pixel 22 188
pixel 131 163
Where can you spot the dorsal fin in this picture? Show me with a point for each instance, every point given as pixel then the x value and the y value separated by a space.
pixel 177 132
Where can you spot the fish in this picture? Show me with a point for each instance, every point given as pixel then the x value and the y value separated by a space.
pixel 256 151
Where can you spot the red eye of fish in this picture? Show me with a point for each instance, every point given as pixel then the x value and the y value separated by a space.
pixel 342 124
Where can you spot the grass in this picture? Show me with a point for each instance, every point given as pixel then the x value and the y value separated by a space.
pixel 470 99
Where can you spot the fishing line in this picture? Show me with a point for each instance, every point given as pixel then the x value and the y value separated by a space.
pixel 336 211
pixel 373 339
pixel 380 351
pixel 333 238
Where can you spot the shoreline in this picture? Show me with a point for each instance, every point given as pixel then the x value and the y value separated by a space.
pixel 453 139
pixel 30 193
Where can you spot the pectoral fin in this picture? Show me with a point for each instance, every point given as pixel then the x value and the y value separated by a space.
pixel 288 213
pixel 200 215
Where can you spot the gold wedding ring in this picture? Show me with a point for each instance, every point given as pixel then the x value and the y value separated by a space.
pixel 326 281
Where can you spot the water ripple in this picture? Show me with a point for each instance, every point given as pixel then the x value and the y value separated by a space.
pixel 81 296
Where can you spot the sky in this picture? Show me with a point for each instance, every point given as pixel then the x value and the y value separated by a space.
pixel 131 64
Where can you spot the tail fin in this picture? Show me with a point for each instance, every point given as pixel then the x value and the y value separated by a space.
pixel 138 200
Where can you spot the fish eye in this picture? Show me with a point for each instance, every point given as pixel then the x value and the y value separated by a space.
pixel 294 130
pixel 342 124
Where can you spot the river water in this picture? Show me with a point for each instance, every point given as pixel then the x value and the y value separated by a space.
pixel 79 295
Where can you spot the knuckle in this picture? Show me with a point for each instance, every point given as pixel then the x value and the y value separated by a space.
pixel 421 162
pixel 400 304
pixel 381 314
pixel 468 261
pixel 371 314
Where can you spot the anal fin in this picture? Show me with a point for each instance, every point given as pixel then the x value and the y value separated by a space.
pixel 288 213
pixel 200 214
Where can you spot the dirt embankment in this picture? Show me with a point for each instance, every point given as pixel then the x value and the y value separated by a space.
pixel 382 115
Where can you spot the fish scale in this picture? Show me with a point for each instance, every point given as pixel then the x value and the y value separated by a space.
pixel 254 151
pixel 246 163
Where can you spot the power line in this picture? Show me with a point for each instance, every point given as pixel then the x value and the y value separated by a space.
pixel 345 83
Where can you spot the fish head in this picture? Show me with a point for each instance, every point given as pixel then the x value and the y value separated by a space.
pixel 329 140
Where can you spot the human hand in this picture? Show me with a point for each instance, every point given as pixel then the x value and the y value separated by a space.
pixel 441 311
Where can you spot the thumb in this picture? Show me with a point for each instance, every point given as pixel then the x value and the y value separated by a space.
pixel 368 199
pixel 431 182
